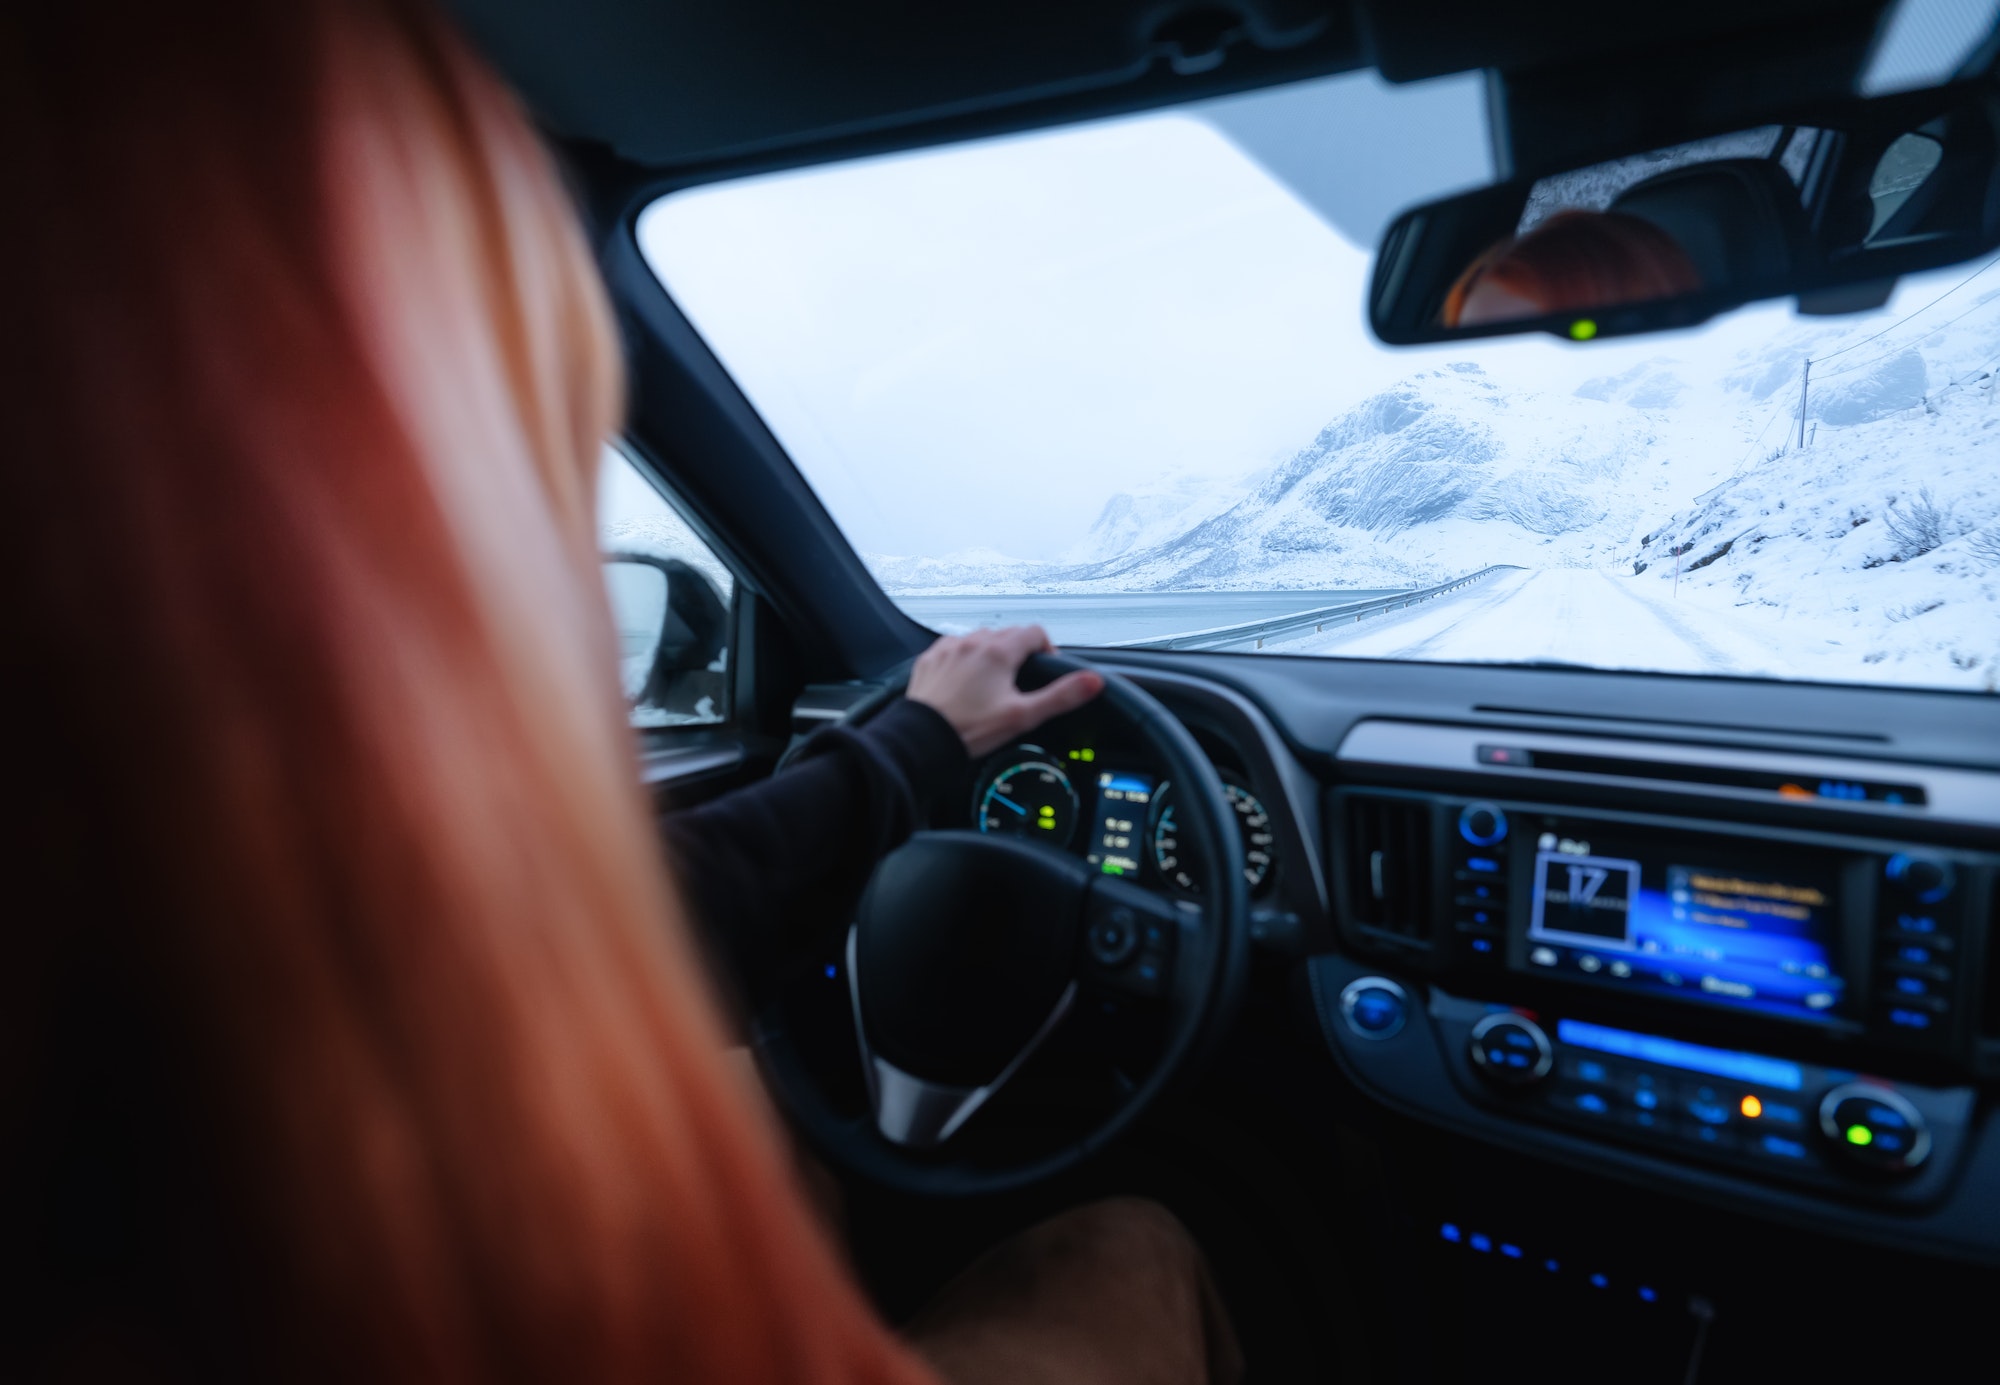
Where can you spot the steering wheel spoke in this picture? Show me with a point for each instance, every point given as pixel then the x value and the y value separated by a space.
pixel 918 1113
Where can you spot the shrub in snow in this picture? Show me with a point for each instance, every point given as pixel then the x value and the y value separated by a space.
pixel 1918 524
pixel 1985 545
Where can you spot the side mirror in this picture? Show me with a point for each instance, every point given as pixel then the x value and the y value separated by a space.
pixel 673 633
pixel 1833 211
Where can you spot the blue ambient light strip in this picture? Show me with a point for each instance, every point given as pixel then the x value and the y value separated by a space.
pixel 1672 1053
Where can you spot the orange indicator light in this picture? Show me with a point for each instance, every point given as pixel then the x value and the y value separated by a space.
pixel 1752 1107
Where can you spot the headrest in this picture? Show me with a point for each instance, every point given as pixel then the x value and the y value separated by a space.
pixel 1739 220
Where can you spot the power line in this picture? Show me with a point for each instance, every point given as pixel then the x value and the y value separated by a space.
pixel 1876 360
pixel 1926 308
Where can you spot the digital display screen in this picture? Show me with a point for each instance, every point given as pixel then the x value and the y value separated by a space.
pixel 1662 920
pixel 1673 1053
pixel 1124 800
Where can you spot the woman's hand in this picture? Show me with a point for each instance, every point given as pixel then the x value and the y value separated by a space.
pixel 969 681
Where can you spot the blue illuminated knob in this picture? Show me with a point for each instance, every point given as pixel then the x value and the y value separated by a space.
pixel 1482 824
pixel 1927 879
pixel 1374 1007
pixel 1511 1049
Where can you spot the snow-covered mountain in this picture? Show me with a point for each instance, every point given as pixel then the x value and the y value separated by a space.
pixel 1871 552
pixel 1134 520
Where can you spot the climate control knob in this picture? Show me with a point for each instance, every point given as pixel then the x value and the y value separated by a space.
pixel 1511 1049
pixel 1875 1127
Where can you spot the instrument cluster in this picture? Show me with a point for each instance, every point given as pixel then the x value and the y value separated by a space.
pixel 1121 818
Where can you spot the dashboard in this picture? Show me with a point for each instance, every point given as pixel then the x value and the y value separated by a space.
pixel 1749 963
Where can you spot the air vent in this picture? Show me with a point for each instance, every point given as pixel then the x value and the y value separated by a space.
pixel 1389 866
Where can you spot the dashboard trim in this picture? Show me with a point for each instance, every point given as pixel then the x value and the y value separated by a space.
pixel 1971 797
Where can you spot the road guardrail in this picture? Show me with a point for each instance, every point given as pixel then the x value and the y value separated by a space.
pixel 1253 634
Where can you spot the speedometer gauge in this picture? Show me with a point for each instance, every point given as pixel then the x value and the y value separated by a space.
pixel 1029 797
pixel 1251 821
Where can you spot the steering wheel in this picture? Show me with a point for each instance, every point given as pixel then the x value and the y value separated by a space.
pixel 968 951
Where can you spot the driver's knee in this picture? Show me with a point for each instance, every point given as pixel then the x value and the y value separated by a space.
pixel 1113 1292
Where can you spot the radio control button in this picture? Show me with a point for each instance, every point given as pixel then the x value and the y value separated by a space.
pixel 1908 1019
pixel 1874 1127
pixel 1511 1049
pixel 1924 878
pixel 1482 824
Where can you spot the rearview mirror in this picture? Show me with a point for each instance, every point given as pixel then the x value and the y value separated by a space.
pixel 1832 209
pixel 673 631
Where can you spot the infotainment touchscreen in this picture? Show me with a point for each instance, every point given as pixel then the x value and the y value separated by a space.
pixel 1667 916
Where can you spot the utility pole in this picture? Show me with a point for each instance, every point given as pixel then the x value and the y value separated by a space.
pixel 1804 381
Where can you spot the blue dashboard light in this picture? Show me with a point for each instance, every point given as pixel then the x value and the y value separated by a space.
pixel 831 971
pixel 1646 1294
pixel 1450 1232
pixel 1598 1281
pixel 1510 1251
pixel 1552 1266
pixel 1481 1241
pixel 1673 1053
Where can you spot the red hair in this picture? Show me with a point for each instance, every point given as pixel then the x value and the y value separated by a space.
pixel 1576 261
pixel 306 373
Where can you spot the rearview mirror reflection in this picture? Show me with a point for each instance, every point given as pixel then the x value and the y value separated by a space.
pixel 1833 211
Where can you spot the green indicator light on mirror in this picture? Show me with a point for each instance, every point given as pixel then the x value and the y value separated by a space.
pixel 1583 329
pixel 1860 1135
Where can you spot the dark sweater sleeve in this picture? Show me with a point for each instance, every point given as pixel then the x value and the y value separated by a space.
pixel 782 862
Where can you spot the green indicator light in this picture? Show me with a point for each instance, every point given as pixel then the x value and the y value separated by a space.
pixel 1110 869
pixel 1583 329
pixel 1860 1135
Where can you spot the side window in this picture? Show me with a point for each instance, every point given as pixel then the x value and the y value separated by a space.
pixel 670 599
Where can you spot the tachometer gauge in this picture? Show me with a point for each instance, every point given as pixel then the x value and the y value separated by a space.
pixel 1029 797
pixel 1251 820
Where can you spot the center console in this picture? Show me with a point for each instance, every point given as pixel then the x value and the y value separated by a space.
pixel 1730 1001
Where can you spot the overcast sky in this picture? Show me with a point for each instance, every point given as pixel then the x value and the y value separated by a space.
pixel 975 347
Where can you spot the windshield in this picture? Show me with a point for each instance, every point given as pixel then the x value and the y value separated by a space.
pixel 1116 379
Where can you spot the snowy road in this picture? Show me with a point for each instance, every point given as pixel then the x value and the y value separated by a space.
pixel 1556 615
